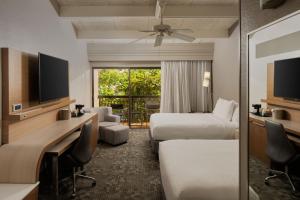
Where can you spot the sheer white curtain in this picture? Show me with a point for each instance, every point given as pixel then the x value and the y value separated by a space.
pixel 181 87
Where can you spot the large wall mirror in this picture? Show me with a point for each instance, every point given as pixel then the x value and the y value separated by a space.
pixel 274 104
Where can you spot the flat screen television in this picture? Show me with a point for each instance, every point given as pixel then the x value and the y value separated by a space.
pixel 53 78
pixel 287 78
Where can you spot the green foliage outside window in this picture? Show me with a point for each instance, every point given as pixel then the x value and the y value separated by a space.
pixel 143 82
pixel 115 82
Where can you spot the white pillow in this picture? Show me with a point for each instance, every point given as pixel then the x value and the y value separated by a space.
pixel 224 109
pixel 235 116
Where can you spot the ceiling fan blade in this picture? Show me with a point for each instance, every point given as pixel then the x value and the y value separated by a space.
pixel 182 36
pixel 145 36
pixel 147 31
pixel 158 40
pixel 183 29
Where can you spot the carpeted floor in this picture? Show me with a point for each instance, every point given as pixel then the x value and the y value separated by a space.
pixel 279 189
pixel 129 171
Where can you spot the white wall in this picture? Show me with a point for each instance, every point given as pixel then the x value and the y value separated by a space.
pixel 225 60
pixel 258 66
pixel 0 98
pixel 226 67
pixel 33 26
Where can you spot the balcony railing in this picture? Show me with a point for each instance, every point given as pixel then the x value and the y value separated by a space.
pixel 133 110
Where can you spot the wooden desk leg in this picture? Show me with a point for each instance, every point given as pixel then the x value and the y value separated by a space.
pixel 55 176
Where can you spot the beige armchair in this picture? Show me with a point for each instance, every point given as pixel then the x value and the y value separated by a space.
pixel 105 117
pixel 110 129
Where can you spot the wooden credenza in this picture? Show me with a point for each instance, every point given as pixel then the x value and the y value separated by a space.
pixel 258 140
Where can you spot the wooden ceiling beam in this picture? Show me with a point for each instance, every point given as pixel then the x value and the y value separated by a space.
pixel 106 11
pixel 119 34
pixel 170 11
pixel 233 27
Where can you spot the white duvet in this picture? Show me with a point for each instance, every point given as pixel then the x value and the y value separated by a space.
pixel 200 169
pixel 166 126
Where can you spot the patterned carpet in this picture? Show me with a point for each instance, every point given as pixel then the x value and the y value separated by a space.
pixel 129 171
pixel 279 189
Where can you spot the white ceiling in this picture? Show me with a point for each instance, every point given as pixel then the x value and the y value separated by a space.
pixel 143 23
pixel 121 20
pixel 142 2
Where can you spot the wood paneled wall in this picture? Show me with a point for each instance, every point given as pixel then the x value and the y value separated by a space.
pixel 20 78
pixel 292 108
pixel 20 86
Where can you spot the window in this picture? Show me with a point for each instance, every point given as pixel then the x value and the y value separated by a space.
pixel 129 91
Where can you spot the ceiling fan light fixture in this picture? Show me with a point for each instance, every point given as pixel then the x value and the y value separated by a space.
pixel 158 40
pixel 164 29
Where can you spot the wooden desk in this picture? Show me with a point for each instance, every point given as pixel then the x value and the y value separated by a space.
pixel 258 135
pixel 20 160
pixel 289 126
pixel 64 145
pixel 55 152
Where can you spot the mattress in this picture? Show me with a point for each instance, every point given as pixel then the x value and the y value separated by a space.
pixel 200 169
pixel 166 126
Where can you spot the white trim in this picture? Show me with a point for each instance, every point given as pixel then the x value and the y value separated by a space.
pixel 126 64
pixel 274 22
pixel 171 11
pixel 146 52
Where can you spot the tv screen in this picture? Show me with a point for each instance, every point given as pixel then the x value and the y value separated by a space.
pixel 53 78
pixel 286 78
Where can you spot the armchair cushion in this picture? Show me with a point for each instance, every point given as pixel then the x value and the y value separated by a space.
pixel 107 124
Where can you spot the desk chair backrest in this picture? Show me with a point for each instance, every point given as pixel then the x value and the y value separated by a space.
pixel 279 147
pixel 85 147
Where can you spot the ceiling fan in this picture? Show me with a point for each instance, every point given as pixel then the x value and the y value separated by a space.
pixel 161 30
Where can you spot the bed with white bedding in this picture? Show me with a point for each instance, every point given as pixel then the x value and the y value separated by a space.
pixel 222 123
pixel 200 169
pixel 166 126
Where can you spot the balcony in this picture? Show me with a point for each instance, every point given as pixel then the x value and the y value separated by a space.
pixel 132 92
pixel 134 111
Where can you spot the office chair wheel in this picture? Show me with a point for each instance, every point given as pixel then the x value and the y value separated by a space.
pixel 73 195
pixel 267 183
pixel 94 184
pixel 271 173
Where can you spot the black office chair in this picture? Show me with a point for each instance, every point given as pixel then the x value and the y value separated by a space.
pixel 281 152
pixel 82 153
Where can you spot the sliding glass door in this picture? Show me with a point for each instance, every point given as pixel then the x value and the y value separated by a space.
pixel 133 93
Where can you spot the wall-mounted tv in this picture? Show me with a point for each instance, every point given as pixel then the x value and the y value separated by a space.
pixel 287 78
pixel 53 78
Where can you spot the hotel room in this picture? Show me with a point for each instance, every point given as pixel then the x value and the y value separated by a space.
pixel 151 99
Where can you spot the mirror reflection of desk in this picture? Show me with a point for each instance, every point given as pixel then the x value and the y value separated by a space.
pixel 258 135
